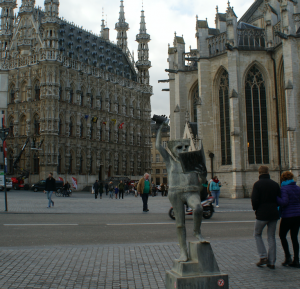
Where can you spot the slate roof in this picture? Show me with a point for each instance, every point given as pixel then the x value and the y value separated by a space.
pixel 246 17
pixel 202 24
pixel 213 31
pixel 222 17
pixel 85 46
pixel 180 40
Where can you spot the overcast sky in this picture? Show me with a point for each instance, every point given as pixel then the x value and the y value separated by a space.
pixel 163 18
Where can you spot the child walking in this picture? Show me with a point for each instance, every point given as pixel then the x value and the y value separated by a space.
pixel 116 192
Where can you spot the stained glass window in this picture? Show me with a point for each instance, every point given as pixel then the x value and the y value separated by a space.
pixel 225 118
pixel 257 121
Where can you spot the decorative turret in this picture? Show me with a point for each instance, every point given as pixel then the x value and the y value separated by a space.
pixel 27 6
pixel 7 20
pixel 104 30
pixel 143 64
pixel 122 27
pixel 51 8
pixel 50 24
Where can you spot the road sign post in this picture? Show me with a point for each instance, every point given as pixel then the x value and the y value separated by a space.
pixel 4 132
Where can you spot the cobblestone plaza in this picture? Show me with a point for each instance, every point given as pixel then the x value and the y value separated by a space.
pixel 140 262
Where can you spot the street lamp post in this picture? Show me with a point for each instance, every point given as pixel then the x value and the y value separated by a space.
pixel 4 132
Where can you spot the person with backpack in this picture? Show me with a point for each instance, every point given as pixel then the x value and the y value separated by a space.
pixel 214 188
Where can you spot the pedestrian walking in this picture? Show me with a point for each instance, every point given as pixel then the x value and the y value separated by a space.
pixel 290 212
pixel 214 188
pixel 96 188
pixel 100 189
pixel 121 188
pixel 143 189
pixel 163 189
pixel 264 203
pixel 110 187
pixel 116 192
pixel 49 189
pixel 153 189
pixel 126 188
pixel 106 188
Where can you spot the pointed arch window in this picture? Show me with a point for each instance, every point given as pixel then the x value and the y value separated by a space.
pixel 36 125
pixel 11 128
pixel 37 91
pixel 81 129
pixel 59 164
pixel 92 101
pixel 36 164
pixel 257 120
pixel 12 95
pixel 81 98
pixel 195 100
pixel 225 118
pixel 71 128
pixel 60 93
pixel 71 95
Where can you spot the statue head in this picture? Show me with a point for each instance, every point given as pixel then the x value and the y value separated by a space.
pixel 179 146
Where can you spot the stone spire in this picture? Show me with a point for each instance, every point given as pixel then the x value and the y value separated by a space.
pixel 122 27
pixel 143 64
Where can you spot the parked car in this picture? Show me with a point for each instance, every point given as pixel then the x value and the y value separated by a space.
pixel 40 186
pixel 8 185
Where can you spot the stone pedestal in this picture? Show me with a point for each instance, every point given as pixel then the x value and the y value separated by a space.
pixel 200 272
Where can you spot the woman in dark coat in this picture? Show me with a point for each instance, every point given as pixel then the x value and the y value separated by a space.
pixel 290 208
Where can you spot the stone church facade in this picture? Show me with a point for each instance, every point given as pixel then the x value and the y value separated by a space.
pixel 83 95
pixel 238 93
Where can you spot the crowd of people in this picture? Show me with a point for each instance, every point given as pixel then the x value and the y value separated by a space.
pixel 270 201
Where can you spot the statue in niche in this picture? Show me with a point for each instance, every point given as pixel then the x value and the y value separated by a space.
pixel 184 186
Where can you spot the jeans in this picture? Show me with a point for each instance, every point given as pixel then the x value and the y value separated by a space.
pixel 259 227
pixel 145 201
pixel 111 194
pixel 216 195
pixel 49 195
pixel 121 192
pixel 96 194
pixel 292 225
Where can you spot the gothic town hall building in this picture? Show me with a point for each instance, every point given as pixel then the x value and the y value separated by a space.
pixel 238 93
pixel 83 95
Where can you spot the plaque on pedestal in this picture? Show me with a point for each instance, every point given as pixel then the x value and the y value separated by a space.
pixel 200 272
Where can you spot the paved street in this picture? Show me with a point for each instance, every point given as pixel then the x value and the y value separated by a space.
pixel 88 243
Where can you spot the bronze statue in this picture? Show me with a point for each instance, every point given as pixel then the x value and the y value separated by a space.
pixel 184 187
